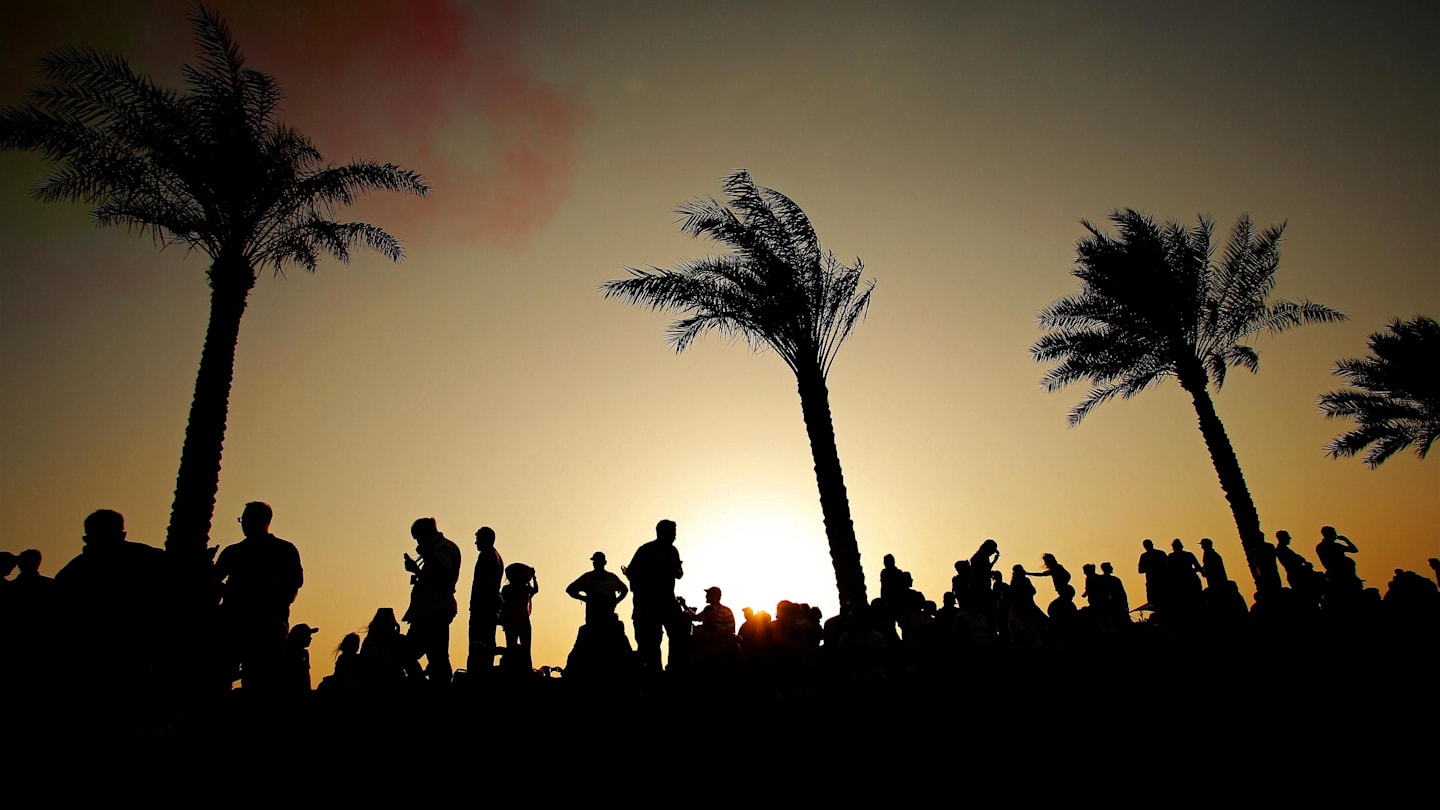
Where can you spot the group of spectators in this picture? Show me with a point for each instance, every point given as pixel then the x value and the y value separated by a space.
pixel 109 605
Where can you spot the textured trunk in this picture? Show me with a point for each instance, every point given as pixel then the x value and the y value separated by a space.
pixel 1227 467
pixel 834 502
pixel 199 477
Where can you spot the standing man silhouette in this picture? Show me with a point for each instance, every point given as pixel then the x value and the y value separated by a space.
pixel 262 576
pixel 600 590
pixel 1154 565
pixel 652 573
pixel 484 603
pixel 432 597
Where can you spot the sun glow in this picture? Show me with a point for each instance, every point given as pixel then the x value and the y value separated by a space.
pixel 758 553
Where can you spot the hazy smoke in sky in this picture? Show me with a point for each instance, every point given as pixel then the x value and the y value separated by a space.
pixel 445 87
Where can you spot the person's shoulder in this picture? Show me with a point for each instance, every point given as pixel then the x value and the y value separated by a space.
pixel 141 550
pixel 74 569
pixel 286 547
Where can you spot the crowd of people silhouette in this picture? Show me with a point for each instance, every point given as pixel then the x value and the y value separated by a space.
pixel 109 605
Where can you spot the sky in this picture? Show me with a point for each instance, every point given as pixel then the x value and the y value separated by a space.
pixel 953 147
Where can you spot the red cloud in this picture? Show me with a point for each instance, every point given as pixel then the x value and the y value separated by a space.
pixel 439 86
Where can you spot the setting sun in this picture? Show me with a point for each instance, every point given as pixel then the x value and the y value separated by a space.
pixel 758 552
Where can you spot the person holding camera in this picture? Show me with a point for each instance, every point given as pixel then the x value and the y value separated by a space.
pixel 432 597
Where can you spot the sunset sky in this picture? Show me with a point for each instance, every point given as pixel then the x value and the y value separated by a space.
pixel 954 147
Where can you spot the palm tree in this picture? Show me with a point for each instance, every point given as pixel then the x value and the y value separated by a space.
pixel 1154 304
pixel 776 289
pixel 209 168
pixel 1395 393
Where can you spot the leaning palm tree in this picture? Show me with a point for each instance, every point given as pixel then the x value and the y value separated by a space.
pixel 212 169
pixel 1154 304
pixel 778 290
pixel 1394 396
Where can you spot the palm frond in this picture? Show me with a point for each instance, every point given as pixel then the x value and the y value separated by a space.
pixel 1153 300
pixel 1394 394
pixel 776 289
pixel 210 168
pixel 1284 315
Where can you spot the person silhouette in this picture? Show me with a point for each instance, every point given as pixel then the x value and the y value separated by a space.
pixel 1334 553
pixel 1118 601
pixel 715 620
pixel 112 595
pixel 601 647
pixel 1212 565
pixel 521 584
pixel 30 623
pixel 1153 564
pixel 1183 576
pixel 485 602
pixel 261 576
pixel 386 659
pixel 1095 587
pixel 715 639
pixel 1302 577
pixel 982 562
pixel 297 658
pixel 32 593
pixel 895 585
pixel 652 573
pixel 1026 621
pixel 432 598
pixel 1264 567
pixel 898 599
pixel 1058 575
pixel 349 670
pixel 600 590
pixel 962 585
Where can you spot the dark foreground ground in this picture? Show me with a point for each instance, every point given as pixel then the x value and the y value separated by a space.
pixel 1163 721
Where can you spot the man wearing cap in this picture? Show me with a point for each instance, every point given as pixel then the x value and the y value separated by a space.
pixel 600 590
pixel 715 638
pixel 297 658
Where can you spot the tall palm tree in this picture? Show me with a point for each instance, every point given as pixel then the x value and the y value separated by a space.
pixel 776 289
pixel 210 168
pixel 1154 304
pixel 1394 396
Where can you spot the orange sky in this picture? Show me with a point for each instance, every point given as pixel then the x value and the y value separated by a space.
pixel 485 381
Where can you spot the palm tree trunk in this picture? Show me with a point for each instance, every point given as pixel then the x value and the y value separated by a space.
pixel 199 478
pixel 190 662
pixel 834 501
pixel 1227 467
